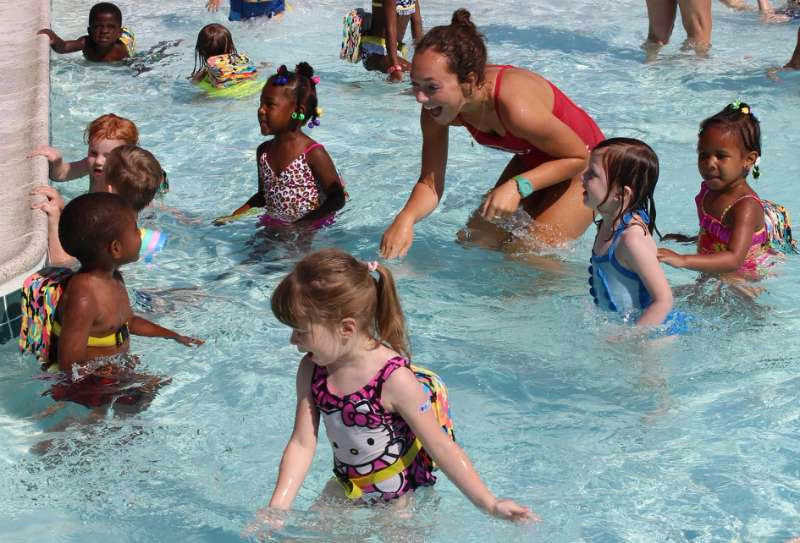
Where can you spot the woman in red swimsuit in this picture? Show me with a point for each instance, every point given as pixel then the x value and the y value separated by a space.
pixel 508 108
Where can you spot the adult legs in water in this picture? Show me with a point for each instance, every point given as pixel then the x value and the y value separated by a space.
pixel 696 19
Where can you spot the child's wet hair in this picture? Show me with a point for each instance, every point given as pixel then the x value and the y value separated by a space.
pixel 632 163
pixel 330 285
pixel 135 175
pixel 301 85
pixel 738 118
pixel 212 40
pixel 90 222
pixel 105 7
pixel 461 43
pixel 112 127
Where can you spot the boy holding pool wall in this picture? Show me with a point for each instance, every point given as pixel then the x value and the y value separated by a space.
pixel 106 39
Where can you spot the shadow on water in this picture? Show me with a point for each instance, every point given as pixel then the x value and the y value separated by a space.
pixel 550 39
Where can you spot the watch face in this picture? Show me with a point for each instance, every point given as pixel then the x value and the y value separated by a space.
pixel 524 187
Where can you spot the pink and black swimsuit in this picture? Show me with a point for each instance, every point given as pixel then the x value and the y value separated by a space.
pixel 367 439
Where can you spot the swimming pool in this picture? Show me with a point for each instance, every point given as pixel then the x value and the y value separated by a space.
pixel 693 440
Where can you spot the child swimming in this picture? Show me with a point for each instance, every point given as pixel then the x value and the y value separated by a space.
pixel 357 377
pixel 625 275
pixel 93 316
pixel 297 181
pixel 107 40
pixel 221 66
pixel 733 233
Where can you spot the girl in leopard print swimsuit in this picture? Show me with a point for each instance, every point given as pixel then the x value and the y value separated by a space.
pixel 297 181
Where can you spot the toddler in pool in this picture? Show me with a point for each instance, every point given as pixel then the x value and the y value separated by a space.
pixel 106 39
pixel 297 181
pixel 221 66
pixel 625 275
pixel 739 232
pixel 384 427
pixel 93 317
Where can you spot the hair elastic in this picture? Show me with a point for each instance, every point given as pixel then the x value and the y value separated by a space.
pixel 315 79
pixel 298 116
pixel 372 266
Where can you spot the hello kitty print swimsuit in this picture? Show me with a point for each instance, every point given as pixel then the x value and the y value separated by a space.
pixel 366 439
pixel 293 193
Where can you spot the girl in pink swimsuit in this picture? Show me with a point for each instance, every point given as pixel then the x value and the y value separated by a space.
pixel 297 181
pixel 733 236
pixel 384 422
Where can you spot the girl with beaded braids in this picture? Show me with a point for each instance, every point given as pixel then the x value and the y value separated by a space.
pixel 507 108
pixel 733 233
pixel 297 181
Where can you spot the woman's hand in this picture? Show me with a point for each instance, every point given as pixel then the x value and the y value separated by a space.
pixel 671 258
pixel 397 239
pixel 502 201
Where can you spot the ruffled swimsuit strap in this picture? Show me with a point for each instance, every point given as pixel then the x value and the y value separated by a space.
pixel 627 220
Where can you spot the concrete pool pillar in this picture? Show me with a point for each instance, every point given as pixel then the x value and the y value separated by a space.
pixel 24 112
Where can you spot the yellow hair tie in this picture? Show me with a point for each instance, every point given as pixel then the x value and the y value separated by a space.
pixel 745 110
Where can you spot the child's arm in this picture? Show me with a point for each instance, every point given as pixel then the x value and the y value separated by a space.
pixel 58 169
pixel 143 327
pixel 325 173
pixel 403 394
pixel 637 252
pixel 257 199
pixel 63 46
pixel 52 206
pixel 747 217
pixel 299 452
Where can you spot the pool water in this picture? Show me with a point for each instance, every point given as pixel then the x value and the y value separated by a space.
pixel 607 439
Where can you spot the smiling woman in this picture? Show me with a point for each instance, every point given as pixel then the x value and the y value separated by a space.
pixel 503 107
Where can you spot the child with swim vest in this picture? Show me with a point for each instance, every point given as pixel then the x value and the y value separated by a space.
pixel 222 70
pixel 92 318
pixel 387 420
pixel 106 39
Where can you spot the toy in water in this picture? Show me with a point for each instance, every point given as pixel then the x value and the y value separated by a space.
pixel 231 75
pixel 246 9
pixel 153 241
pixel 252 212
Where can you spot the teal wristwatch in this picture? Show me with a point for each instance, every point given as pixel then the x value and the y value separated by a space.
pixel 524 187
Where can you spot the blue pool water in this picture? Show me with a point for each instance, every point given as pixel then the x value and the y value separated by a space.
pixel 690 440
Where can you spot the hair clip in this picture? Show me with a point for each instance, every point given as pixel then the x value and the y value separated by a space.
pixel 318 112
pixel 372 266
pixel 298 116
pixel 315 79
pixel 280 80
pixel 313 123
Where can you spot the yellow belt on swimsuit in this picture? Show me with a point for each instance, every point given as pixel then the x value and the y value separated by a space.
pixel 111 340
pixel 353 486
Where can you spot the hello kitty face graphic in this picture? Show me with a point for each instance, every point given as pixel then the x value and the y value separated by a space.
pixel 359 439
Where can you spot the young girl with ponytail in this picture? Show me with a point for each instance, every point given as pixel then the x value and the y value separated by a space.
pixel 297 181
pixel 384 423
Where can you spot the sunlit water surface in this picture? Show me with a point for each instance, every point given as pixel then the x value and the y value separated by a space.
pixel 690 440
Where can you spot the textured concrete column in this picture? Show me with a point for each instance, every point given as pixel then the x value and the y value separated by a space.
pixel 24 124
